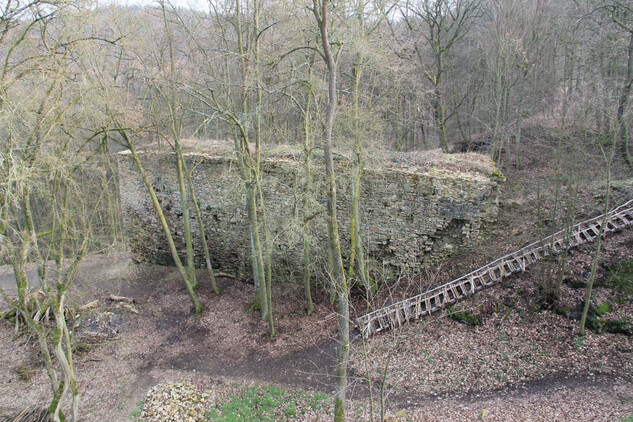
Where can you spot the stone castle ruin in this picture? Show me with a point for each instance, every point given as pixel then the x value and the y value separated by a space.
pixel 416 208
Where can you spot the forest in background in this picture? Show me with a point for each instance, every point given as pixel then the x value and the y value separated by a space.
pixel 412 74
pixel 79 80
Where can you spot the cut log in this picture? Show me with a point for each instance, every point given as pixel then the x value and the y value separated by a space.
pixel 130 308
pixel 89 305
pixel 115 298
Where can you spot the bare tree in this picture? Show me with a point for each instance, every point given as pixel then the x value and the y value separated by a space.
pixel 437 25
pixel 622 14
pixel 175 125
pixel 363 29
pixel 46 214
pixel 239 105
pixel 321 15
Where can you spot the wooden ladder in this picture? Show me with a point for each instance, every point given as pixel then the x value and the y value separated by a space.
pixel 398 313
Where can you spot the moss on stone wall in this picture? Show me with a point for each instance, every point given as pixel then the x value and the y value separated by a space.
pixel 416 210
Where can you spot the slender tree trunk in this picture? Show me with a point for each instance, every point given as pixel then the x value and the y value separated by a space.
pixel 608 155
pixel 570 221
pixel 19 270
pixel 170 240
pixel 438 99
pixel 258 149
pixel 335 243
pixel 269 272
pixel 176 130
pixel 111 195
pixel 622 104
pixel 568 82
pixel 357 255
pixel 203 235
pixel 498 94
pixel 267 275
pixel 517 136
pixel 60 355
pixel 259 274
pixel 249 166
pixel 33 323
pixel 307 191
pixel 440 119
pixel 59 338
pixel 184 207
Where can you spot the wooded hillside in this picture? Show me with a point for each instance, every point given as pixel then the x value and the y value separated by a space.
pixel 541 87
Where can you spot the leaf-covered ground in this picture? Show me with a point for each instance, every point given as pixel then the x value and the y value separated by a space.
pixel 518 362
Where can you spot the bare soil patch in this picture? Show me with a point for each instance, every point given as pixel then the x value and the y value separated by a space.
pixel 123 354
pixel 438 366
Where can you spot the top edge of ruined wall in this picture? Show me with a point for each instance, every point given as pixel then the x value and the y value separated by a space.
pixel 433 162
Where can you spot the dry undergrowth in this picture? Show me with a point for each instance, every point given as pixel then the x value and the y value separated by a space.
pixel 520 363
pixel 513 345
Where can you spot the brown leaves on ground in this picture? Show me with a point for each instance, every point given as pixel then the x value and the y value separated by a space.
pixel 516 346
pixel 175 402
pixel 519 363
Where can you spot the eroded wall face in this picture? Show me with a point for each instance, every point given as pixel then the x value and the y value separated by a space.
pixel 408 219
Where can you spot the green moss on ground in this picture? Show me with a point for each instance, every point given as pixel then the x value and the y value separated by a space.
pixel 464 316
pixel 620 279
pixel 267 404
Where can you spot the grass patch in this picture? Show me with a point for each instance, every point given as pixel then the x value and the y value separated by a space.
pixel 603 308
pixel 618 326
pixel 267 404
pixel 496 173
pixel 135 414
pixel 25 372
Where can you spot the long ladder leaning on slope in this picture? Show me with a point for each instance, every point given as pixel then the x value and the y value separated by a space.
pixel 398 313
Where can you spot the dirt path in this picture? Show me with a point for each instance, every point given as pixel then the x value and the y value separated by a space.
pixel 164 342
pixel 227 344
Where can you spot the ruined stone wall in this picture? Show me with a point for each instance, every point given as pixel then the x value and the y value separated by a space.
pixel 411 216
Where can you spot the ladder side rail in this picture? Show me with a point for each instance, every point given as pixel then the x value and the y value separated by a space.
pixel 541 246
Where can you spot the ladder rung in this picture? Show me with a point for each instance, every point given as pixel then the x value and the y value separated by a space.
pixel 401 312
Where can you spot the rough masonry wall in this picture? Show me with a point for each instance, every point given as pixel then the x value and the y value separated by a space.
pixel 411 217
